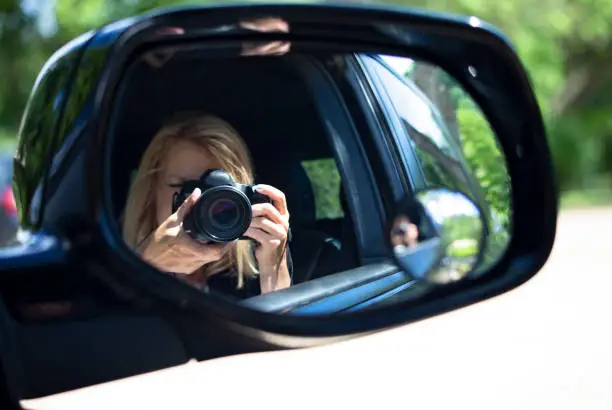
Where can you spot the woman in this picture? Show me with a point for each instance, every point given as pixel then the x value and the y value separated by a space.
pixel 183 150
pixel 404 233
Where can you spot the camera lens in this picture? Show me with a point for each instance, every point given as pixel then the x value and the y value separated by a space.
pixel 223 214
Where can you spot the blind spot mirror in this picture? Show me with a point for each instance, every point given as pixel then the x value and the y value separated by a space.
pixel 438 237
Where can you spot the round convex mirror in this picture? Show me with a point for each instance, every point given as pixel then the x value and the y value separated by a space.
pixel 450 249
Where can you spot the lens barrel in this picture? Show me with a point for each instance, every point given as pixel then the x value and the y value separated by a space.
pixel 221 214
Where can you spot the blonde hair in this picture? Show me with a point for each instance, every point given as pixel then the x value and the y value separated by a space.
pixel 225 144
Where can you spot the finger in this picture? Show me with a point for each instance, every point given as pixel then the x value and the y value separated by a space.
pixel 200 256
pixel 184 257
pixel 211 255
pixel 260 48
pixel 276 195
pixel 280 48
pixel 270 212
pixel 185 247
pixel 259 235
pixel 275 230
pixel 195 248
pixel 186 206
pixel 272 49
pixel 266 25
pixel 283 48
pixel 269 47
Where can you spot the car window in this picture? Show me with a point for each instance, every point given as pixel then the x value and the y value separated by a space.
pixel 325 179
pixel 429 138
pixel 414 111
pixel 455 146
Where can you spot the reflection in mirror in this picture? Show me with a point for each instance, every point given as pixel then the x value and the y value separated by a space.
pixel 456 146
pixel 456 245
pixel 210 225
pixel 159 57
pixel 271 24
pixel 244 177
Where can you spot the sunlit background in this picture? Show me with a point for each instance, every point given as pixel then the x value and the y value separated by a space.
pixel 566 46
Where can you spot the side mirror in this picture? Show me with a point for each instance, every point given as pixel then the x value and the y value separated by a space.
pixel 347 110
pixel 383 104
pixel 438 237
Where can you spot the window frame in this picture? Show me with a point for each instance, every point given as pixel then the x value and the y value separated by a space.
pixel 407 159
pixel 351 159
pixel 402 136
pixel 377 132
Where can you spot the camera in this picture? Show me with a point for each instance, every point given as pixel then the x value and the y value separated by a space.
pixel 223 212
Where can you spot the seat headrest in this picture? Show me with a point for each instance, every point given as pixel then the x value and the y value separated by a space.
pixel 291 178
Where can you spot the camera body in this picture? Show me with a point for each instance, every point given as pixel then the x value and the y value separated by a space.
pixel 223 212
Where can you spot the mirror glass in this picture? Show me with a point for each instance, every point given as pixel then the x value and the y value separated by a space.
pixel 265 174
pixel 464 143
pixel 453 245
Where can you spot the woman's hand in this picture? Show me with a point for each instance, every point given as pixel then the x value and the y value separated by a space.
pixel 265 48
pixel 169 248
pixel 270 227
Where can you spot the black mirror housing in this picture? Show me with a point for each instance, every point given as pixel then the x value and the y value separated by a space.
pixel 63 178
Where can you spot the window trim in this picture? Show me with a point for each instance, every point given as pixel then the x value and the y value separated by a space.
pixel 472 184
pixel 407 159
pixel 378 133
pixel 351 159
pixel 415 89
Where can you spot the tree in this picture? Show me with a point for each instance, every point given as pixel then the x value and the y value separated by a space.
pixel 567 49
pixel 566 46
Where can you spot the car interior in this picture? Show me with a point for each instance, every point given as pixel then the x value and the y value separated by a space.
pixel 273 110
pixel 288 121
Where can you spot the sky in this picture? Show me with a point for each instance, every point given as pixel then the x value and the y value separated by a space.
pixel 399 64
pixel 420 114
pixel 44 11
pixel 449 204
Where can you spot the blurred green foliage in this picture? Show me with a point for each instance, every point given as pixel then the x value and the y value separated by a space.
pixel 486 161
pixel 565 45
pixel 465 123
pixel 325 178
pixel 461 228
pixel 567 49
pixel 475 138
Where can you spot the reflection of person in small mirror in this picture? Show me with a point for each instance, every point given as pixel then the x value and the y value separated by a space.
pixel 404 234
pixel 182 151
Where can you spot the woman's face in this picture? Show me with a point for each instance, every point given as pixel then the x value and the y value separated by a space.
pixel 184 161
pixel 404 232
